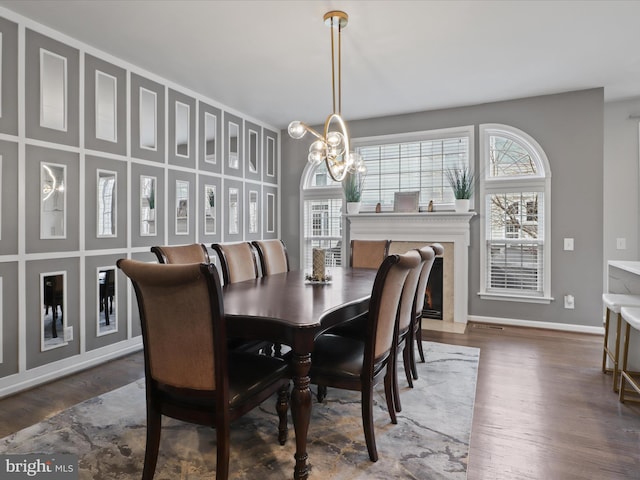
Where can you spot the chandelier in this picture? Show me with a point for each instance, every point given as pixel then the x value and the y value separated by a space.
pixel 332 147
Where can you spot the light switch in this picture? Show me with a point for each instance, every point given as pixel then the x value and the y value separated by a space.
pixel 621 243
pixel 569 302
pixel 68 334
pixel 568 243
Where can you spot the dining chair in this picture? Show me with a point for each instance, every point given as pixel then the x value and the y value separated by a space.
pixel 273 256
pixel 404 328
pixel 194 253
pixel 359 364
pixel 189 373
pixel 438 251
pixel 237 261
pixel 368 253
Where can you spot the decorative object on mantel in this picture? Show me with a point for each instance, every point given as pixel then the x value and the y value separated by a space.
pixel 430 207
pixel 333 146
pixel 378 207
pixel 352 188
pixel 406 201
pixel 461 180
pixel 319 274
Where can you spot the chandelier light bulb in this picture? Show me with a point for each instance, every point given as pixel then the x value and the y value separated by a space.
pixel 317 151
pixel 318 146
pixel 334 139
pixel 356 163
pixel 297 130
pixel 339 168
pixel 315 158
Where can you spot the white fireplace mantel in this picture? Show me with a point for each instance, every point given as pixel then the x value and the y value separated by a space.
pixel 425 227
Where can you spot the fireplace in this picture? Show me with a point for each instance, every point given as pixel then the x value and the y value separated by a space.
pixel 433 296
pixel 415 230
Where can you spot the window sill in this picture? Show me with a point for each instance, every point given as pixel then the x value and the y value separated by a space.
pixel 515 298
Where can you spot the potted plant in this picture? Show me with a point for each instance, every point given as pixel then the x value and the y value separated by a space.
pixel 461 180
pixel 352 187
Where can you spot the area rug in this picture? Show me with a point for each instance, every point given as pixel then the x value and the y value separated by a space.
pixel 430 440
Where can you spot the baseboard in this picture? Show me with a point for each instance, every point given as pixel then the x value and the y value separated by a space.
pixel 565 327
pixel 46 373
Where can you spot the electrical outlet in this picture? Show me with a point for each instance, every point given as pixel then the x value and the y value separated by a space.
pixel 569 302
pixel 621 243
pixel 568 243
pixel 68 334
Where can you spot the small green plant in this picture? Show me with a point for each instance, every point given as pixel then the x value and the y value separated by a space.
pixel 461 180
pixel 352 186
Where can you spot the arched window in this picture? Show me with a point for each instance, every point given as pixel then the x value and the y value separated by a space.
pixel 515 204
pixel 321 216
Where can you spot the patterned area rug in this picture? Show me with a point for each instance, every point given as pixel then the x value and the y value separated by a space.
pixel 430 441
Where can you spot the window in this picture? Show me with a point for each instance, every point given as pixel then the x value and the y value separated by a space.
pixel 515 190
pixel 406 162
pixel 322 216
pixel 413 162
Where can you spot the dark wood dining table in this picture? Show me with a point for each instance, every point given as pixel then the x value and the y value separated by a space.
pixel 285 309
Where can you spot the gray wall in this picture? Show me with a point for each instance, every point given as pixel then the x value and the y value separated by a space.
pixel 24 256
pixel 621 202
pixel 569 127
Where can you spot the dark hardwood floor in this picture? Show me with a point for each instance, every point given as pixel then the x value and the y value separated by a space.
pixel 543 409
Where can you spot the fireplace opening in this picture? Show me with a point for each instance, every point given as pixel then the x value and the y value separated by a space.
pixel 433 294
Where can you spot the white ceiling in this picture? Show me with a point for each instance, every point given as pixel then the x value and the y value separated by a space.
pixel 271 59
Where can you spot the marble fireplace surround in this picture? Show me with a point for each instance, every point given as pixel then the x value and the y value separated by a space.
pixel 413 230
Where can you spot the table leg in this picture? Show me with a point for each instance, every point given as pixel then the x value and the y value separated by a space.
pixel 301 411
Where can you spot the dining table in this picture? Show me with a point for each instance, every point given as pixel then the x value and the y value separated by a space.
pixel 288 309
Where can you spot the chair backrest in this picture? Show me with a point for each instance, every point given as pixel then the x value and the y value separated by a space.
pixel 437 248
pixel 384 305
pixel 194 253
pixel 273 256
pixel 408 299
pixel 368 253
pixel 182 318
pixel 428 255
pixel 237 261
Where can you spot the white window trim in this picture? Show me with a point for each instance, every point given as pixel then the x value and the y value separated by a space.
pixel 541 183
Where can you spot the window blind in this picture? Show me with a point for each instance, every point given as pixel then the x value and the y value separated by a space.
pixel 323 229
pixel 514 247
pixel 412 166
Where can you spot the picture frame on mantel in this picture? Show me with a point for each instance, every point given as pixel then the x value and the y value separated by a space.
pixel 406 202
